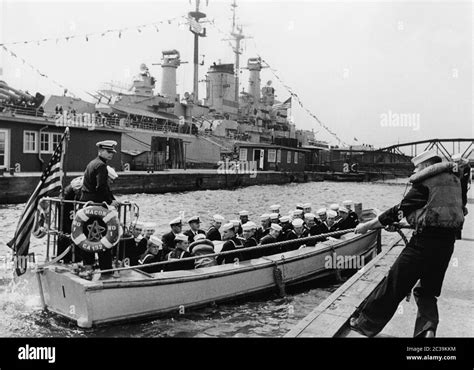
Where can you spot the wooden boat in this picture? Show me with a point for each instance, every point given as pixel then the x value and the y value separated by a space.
pixel 131 294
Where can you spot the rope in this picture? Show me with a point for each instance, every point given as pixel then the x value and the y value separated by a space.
pixel 54 260
pixel 239 250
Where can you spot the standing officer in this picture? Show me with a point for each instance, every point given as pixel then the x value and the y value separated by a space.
pixel 433 207
pixel 168 238
pixel 95 186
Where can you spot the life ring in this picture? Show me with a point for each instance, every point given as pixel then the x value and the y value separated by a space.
pixel 91 220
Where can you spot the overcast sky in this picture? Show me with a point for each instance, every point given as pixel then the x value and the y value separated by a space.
pixel 357 66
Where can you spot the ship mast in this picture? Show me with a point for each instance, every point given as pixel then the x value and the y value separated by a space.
pixel 196 28
pixel 237 36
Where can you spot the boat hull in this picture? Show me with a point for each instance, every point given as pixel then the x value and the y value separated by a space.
pixel 137 295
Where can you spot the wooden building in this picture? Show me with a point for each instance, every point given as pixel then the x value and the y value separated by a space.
pixel 271 157
pixel 28 142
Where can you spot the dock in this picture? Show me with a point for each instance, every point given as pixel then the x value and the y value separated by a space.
pixel 455 305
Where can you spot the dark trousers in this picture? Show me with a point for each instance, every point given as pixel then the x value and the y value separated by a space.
pixel 105 259
pixel 424 260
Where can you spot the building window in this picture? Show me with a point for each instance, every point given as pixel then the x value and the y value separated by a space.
pixel 56 139
pixel 296 157
pixel 243 154
pixel 271 155
pixel 278 156
pixel 45 145
pixel 30 142
pixel 288 157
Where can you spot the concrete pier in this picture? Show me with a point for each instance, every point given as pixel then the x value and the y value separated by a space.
pixel 456 303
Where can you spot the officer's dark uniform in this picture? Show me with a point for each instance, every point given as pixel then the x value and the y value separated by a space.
pixel 95 188
pixel 168 242
pixel 191 234
pixel 433 206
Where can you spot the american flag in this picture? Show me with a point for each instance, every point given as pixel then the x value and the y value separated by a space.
pixel 49 182
pixel 285 105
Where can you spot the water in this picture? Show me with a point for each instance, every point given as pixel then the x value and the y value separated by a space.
pixel 264 316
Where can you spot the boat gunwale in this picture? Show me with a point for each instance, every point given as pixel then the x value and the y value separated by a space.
pixel 226 269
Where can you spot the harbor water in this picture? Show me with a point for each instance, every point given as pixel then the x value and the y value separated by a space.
pixel 265 315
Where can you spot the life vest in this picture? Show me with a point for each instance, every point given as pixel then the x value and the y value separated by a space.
pixel 444 206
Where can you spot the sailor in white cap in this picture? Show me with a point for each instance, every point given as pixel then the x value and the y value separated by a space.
pixel 248 231
pixel 331 218
pixel 307 208
pixel 272 237
pixel 152 254
pixel 237 226
pixel 168 238
pixel 298 232
pixel 321 213
pixel 433 207
pixel 347 204
pixel 244 217
pixel 179 252
pixel 213 232
pixel 275 208
pixel 194 224
pixel 286 226
pixel 274 218
pixel 309 221
pixel 298 213
pixel 231 243
pixel 265 226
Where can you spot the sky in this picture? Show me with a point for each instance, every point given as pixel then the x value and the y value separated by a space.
pixel 372 72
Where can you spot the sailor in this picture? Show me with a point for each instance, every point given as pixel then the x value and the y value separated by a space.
pixel 321 214
pixel 324 226
pixel 237 226
pixel 309 222
pixel 168 238
pixel 213 232
pixel 463 169
pixel 286 226
pixel 95 186
pixel 231 243
pixel 244 217
pixel 332 217
pixel 179 252
pixel 152 254
pixel 298 232
pixel 433 207
pixel 345 222
pixel 272 237
pixel 335 207
pixel 249 229
pixel 298 214
pixel 105 257
pixel 351 214
pixel 275 208
pixel 265 228
pixel 194 223
pixel 274 218
pixel 306 208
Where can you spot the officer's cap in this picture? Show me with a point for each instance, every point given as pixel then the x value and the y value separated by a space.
pixel 194 219
pixel 176 221
pixel 108 145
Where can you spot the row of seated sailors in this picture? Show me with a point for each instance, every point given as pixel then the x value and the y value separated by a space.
pixel 198 244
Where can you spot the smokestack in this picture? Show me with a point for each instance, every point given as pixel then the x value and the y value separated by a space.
pixel 254 65
pixel 170 64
